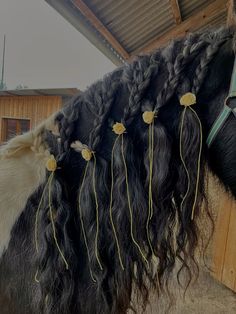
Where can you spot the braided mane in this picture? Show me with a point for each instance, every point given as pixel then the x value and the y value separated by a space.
pixel 154 83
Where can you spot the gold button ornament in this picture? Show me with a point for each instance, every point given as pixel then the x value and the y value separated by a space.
pixel 118 128
pixel 148 116
pixel 86 154
pixel 51 164
pixel 188 99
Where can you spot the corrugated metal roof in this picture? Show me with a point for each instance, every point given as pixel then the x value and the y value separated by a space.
pixel 216 21
pixel 135 24
pixel 69 11
pixel 189 7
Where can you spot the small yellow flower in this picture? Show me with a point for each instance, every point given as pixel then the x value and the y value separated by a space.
pixel 51 164
pixel 148 116
pixel 118 128
pixel 188 99
pixel 86 154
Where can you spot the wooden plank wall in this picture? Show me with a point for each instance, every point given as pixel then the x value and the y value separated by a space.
pixel 34 108
pixel 224 247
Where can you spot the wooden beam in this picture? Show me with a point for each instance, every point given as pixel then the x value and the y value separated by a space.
pixel 193 23
pixel 97 24
pixel 176 11
pixel 231 17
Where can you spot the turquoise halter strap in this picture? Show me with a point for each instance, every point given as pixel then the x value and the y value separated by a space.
pixel 226 111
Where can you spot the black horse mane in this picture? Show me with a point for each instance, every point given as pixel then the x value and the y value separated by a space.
pixel 150 82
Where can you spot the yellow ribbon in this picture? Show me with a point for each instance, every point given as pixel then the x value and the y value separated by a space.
pixel 148 118
pixel 111 201
pixel 51 166
pixel 87 154
pixel 129 202
pixel 150 198
pixel 198 164
pixel 82 222
pixel 187 100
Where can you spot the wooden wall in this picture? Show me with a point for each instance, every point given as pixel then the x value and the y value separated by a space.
pixel 224 242
pixel 34 108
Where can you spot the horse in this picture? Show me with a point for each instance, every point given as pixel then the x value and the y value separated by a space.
pixel 103 200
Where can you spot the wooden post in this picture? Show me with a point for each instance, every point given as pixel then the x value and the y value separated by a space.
pixel 231 18
pixel 176 11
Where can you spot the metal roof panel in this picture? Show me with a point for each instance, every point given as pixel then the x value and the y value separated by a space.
pixel 189 7
pixel 134 22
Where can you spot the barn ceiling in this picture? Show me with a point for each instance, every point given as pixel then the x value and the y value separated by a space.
pixel 124 28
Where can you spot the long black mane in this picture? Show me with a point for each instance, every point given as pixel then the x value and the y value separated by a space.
pixel 200 64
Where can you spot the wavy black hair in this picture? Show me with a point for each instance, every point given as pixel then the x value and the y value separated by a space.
pixel 152 82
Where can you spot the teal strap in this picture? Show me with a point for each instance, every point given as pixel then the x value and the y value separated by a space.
pixel 223 116
pixel 234 111
pixel 232 89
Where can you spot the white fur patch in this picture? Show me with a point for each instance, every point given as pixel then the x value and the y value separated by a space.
pixel 22 170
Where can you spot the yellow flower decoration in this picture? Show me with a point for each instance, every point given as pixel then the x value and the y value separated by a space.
pixel 148 116
pixel 118 128
pixel 188 99
pixel 51 164
pixel 86 154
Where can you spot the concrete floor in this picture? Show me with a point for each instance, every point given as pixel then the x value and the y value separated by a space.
pixel 206 296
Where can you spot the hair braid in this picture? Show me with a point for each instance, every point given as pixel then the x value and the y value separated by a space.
pixel 190 50
pixel 202 69
pixel 66 120
pixel 104 97
pixel 138 76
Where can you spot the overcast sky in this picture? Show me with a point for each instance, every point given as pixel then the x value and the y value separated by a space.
pixel 44 51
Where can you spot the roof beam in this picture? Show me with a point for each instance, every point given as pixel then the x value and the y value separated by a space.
pixel 231 17
pixel 176 11
pixel 98 25
pixel 193 23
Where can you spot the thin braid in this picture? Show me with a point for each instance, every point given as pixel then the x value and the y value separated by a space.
pixel 104 98
pixel 138 77
pixel 66 121
pixel 182 60
pixel 202 69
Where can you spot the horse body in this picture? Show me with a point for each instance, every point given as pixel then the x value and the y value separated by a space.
pixel 203 64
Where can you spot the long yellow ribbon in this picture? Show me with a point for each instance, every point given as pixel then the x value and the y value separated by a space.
pixel 111 201
pixel 182 158
pixel 97 213
pixel 52 220
pixel 49 184
pixel 82 223
pixel 129 201
pixel 37 217
pixel 198 164
pixel 150 200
